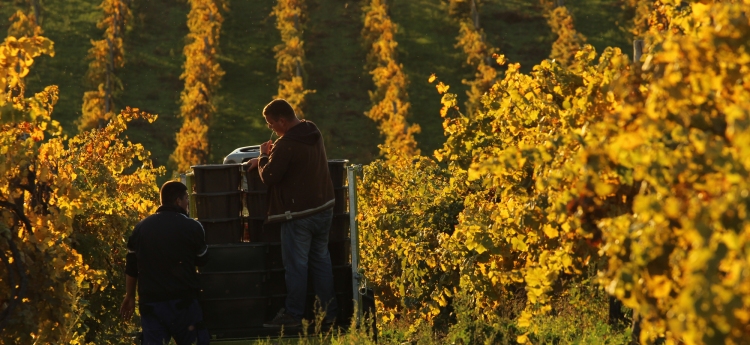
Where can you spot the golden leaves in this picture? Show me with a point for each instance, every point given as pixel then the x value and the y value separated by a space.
pixel 391 105
pixel 106 55
pixel 569 41
pixel 590 162
pixel 67 193
pixel 16 57
pixel 290 54
pixel 201 74
pixel 402 230
pixel 442 88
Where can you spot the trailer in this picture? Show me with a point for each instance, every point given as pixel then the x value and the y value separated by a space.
pixel 242 285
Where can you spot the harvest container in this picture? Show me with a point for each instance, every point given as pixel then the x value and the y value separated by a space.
pixel 215 178
pixel 243 284
pixel 339 227
pixel 237 284
pixel 256 203
pixel 342 198
pixel 337 169
pixel 259 232
pixel 236 257
pixel 218 205
pixel 222 231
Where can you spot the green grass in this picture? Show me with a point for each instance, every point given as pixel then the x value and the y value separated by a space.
pixel 336 70
pixel 335 64
pixel 247 40
pixel 601 21
pixel 518 30
pixel 426 37
pixel 151 76
pixel 71 33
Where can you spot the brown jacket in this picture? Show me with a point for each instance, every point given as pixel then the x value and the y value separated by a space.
pixel 296 173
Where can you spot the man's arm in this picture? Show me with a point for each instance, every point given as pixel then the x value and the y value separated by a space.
pixel 273 166
pixel 128 304
pixel 202 252
pixel 131 277
pixel 202 258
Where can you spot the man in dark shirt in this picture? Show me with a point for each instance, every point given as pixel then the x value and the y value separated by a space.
pixel 162 254
pixel 300 197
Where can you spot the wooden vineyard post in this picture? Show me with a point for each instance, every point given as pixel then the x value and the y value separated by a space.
pixel 354 237
pixel 637 50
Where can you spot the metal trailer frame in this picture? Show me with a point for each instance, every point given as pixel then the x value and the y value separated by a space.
pixel 358 281
pixel 354 237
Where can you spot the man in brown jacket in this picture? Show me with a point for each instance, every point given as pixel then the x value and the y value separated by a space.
pixel 300 197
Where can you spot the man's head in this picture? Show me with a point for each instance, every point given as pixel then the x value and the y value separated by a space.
pixel 174 193
pixel 280 116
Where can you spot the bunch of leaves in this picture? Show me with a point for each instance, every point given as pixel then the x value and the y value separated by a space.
pixel 391 101
pixel 679 259
pixel 24 25
pixel 530 226
pixel 569 41
pixel 632 157
pixel 471 40
pixel 510 168
pixel 53 192
pixel 17 54
pixel 635 168
pixel 117 184
pixel 202 74
pixel 408 209
pixel 290 54
pixel 106 55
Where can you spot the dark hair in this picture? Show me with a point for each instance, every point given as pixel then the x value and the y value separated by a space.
pixel 279 108
pixel 171 191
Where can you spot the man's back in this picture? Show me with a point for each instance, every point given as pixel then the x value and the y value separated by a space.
pixel 297 175
pixel 168 245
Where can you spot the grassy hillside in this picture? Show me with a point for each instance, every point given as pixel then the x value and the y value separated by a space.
pixel 426 39
pixel 335 64
pixel 336 70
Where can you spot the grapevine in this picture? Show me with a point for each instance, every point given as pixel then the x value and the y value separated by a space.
pixel 391 100
pixel 290 54
pixel 106 55
pixel 201 74
pixel 569 40
pixel 66 206
pixel 472 42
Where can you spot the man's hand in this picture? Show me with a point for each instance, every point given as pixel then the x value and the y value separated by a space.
pixel 251 164
pixel 265 148
pixel 127 308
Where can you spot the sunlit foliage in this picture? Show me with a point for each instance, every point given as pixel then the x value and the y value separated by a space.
pixel 290 54
pixel 635 171
pixel 471 40
pixel 106 55
pixel 569 41
pixel 66 205
pixel 391 101
pixel 202 74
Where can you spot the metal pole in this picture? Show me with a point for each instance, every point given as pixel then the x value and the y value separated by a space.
pixel 637 50
pixel 188 179
pixel 354 237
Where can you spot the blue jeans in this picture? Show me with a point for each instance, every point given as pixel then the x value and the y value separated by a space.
pixel 178 319
pixel 304 244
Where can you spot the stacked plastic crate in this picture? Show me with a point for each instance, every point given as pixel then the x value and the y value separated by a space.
pixel 243 284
